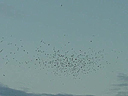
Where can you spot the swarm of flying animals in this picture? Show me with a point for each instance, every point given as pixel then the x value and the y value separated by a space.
pixel 66 62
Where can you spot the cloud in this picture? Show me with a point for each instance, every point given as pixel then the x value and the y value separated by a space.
pixel 89 95
pixel 123 77
pixel 121 89
pixel 122 93
pixel 122 85
pixel 10 11
pixel 6 91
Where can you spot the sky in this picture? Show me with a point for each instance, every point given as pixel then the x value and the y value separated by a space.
pixel 63 47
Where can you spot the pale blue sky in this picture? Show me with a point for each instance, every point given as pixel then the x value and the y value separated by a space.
pixel 98 25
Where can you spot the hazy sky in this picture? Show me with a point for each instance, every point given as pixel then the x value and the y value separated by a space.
pixel 36 35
